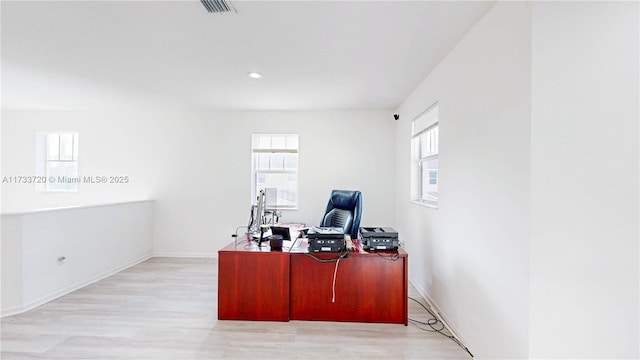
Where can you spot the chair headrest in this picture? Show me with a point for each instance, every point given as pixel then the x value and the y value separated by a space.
pixel 344 199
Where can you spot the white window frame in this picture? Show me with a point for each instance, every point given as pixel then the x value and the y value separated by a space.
pixel 255 172
pixel 55 183
pixel 425 134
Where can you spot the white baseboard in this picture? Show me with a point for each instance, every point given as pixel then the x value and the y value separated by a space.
pixel 442 316
pixel 186 255
pixel 12 310
pixel 58 293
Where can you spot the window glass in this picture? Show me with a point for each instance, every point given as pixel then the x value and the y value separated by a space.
pixel 277 162
pixel 66 147
pixel 292 142
pixel 57 160
pixel 290 161
pixel 53 146
pixel 425 157
pixel 275 166
pixel 278 142
pixel 264 142
pixel 262 162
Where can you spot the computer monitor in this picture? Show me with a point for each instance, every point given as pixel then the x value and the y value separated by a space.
pixel 257 218
pixel 281 230
pixel 271 199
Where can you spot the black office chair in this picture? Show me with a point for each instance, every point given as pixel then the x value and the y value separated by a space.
pixel 344 210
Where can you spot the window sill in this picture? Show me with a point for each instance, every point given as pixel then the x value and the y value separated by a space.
pixel 425 204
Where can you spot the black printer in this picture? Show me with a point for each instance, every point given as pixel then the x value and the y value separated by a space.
pixel 330 239
pixel 379 238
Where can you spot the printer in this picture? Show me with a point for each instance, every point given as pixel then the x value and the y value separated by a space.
pixel 329 239
pixel 379 238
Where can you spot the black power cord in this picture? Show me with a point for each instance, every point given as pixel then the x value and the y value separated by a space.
pixel 235 235
pixel 435 325
pixel 342 255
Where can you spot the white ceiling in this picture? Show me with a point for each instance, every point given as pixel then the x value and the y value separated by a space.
pixel 314 55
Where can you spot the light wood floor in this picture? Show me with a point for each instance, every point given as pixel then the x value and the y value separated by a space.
pixel 165 308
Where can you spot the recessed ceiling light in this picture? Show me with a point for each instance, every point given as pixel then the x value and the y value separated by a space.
pixel 254 75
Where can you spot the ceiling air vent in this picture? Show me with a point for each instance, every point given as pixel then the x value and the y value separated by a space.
pixel 218 6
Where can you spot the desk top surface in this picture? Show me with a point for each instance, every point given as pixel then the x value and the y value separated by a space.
pixel 299 246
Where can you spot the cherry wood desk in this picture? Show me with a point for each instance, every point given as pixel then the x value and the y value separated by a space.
pixel 253 283
pixel 258 284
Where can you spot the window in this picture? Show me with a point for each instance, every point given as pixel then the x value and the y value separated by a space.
pixel 57 160
pixel 275 166
pixel 424 153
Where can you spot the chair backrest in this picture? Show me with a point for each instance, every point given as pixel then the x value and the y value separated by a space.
pixel 344 210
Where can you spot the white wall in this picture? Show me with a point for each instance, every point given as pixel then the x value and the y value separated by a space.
pixel 536 238
pixel 95 242
pixel 584 244
pixel 11 266
pixel 1 174
pixel 196 165
pixel 470 256
pixel 200 202
pixel 111 143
